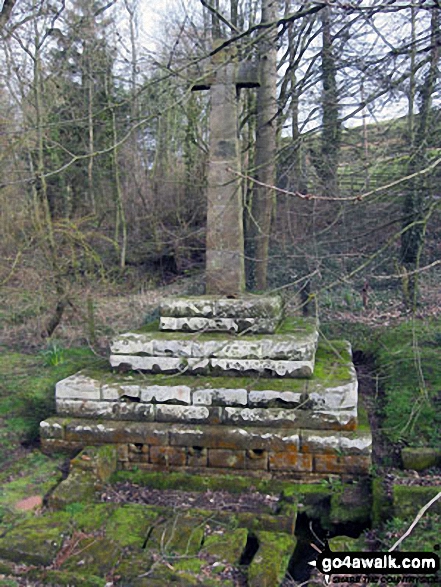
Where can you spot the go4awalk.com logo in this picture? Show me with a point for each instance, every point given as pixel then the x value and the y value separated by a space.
pixel 383 565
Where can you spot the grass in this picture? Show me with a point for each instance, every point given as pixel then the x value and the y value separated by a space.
pixel 27 391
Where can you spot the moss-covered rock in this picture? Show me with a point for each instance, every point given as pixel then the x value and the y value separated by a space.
pixel 351 503
pixel 52 578
pixel 36 540
pixel 93 555
pixel 409 499
pixel 419 459
pixel 226 545
pixel 270 562
pixel 182 535
pixel 79 486
pixel 129 525
pixel 100 460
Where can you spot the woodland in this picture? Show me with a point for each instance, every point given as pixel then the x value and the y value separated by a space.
pixel 103 166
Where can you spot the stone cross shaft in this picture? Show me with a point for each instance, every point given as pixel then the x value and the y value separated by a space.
pixel 225 267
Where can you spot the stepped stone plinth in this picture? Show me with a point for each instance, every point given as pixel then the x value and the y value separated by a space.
pixel 237 399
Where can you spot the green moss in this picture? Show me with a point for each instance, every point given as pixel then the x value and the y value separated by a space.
pixel 408 358
pixel 419 459
pixel 344 544
pixel 34 474
pixel 176 480
pixel 78 486
pixel 409 499
pixel 93 556
pixel 270 563
pixel 36 540
pixel 351 504
pixel 227 546
pixel 64 578
pixel 91 517
pixel 381 503
pixel 27 391
pixel 129 525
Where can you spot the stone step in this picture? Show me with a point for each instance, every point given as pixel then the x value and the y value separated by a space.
pixel 300 346
pixel 328 400
pixel 246 313
pixel 214 367
pixel 261 449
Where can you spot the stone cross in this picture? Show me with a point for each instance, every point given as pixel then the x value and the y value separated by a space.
pixel 225 266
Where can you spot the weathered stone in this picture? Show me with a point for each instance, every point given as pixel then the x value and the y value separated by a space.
pixel 106 410
pixel 233 325
pixel 52 428
pixel 37 540
pixel 277 347
pixel 270 563
pixel 244 306
pixel 230 459
pixel 419 459
pixel 197 456
pixel 168 455
pixel 227 546
pixel 220 397
pixel 287 399
pixel 162 394
pixel 259 416
pixel 131 343
pixel 150 364
pixel 78 386
pixel 190 414
pixel 262 367
pixel 336 442
pixel 290 460
pixel 234 438
pixel 120 392
pixel 349 464
pixel 90 432
pixel 202 366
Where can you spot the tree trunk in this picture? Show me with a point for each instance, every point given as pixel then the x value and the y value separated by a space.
pixel 331 133
pixel 265 150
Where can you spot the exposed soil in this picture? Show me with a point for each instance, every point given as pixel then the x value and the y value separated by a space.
pixel 250 501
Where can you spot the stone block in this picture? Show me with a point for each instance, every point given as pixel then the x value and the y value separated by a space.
pixel 329 442
pixel 168 455
pixel 197 456
pixel 234 438
pixel 166 344
pixel 114 392
pixel 216 367
pixel 256 460
pixel 52 428
pixel 259 416
pixel 348 464
pixel 419 459
pixel 189 414
pixel 169 365
pixel 262 368
pixel 106 410
pixel 131 343
pixel 52 445
pixel 223 458
pixel 78 386
pixel 328 420
pixel 161 394
pixel 220 397
pixel 291 460
pixel 243 306
pixel 273 399
pixel 89 432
